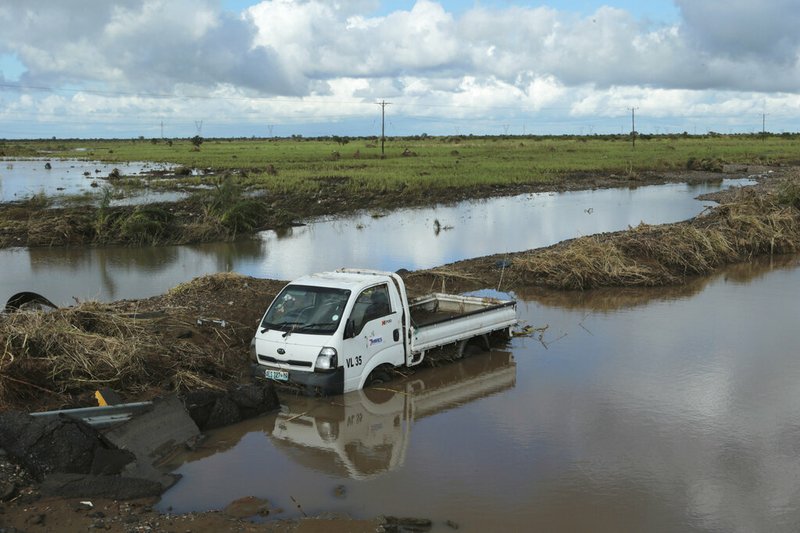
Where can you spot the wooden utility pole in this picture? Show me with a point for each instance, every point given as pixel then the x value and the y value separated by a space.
pixel 633 127
pixel 383 105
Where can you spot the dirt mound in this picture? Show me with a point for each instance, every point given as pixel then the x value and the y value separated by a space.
pixel 195 336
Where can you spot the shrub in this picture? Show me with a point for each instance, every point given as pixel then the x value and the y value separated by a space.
pixel 147 224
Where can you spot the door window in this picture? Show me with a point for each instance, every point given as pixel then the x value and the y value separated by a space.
pixel 372 303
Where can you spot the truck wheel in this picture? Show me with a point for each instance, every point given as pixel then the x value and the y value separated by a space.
pixel 467 348
pixel 378 376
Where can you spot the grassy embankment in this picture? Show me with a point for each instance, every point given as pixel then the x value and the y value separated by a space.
pixel 248 185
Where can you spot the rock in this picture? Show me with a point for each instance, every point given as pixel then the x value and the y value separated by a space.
pixel 212 409
pixel 255 399
pixel 36 519
pixel 151 435
pixel 59 444
pixel 199 404
pixel 8 489
pixel 224 413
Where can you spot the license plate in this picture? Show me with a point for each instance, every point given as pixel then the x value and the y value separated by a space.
pixel 278 375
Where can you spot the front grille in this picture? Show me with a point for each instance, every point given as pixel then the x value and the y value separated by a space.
pixel 291 362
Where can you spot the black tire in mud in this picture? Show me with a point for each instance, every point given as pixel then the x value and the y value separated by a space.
pixel 470 347
pixel 377 377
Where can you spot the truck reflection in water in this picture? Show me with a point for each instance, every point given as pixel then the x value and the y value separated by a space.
pixel 365 433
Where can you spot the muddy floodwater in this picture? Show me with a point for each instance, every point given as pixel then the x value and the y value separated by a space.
pixel 661 410
pixel 408 238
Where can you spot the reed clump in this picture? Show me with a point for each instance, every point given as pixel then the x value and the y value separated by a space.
pixel 587 262
pixel 209 284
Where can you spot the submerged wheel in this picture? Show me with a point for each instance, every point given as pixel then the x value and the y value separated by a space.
pixel 379 376
pixel 473 349
pixel 469 347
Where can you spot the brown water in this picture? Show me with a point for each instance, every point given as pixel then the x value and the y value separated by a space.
pixel 661 410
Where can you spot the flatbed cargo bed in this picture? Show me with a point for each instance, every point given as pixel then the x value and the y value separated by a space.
pixel 441 319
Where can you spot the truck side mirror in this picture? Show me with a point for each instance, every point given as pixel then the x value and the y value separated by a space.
pixel 349 328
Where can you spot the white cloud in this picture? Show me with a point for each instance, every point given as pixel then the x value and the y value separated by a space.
pixel 485 62
pixel 144 45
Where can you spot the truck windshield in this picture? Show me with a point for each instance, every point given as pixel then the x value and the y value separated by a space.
pixel 306 309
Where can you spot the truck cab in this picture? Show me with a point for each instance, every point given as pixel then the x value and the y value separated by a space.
pixel 328 332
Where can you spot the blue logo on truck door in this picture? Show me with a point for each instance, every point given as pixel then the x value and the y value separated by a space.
pixel 375 340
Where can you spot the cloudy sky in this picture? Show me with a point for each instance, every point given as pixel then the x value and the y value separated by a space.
pixel 96 68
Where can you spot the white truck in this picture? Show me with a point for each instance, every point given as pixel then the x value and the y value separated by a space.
pixel 340 331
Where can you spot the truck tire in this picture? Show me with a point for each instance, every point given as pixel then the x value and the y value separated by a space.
pixel 379 376
pixel 470 347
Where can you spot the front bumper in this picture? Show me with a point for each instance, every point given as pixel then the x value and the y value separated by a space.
pixel 310 383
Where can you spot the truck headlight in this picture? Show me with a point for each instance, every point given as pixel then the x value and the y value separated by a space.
pixel 327 360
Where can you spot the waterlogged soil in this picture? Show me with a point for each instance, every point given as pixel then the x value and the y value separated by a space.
pixel 34 223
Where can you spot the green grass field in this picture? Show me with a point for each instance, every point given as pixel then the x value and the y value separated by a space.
pixel 430 163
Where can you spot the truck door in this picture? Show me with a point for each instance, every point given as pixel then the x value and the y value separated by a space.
pixel 372 336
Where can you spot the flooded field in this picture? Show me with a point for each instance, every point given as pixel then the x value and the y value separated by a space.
pixel 661 410
pixel 411 238
pixel 21 179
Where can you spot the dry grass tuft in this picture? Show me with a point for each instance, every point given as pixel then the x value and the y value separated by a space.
pixel 211 282
pixel 586 262
pixel 71 351
pixel 679 249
